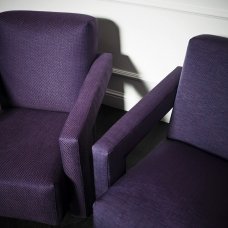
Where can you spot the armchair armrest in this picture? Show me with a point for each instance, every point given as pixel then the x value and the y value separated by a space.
pixel 110 151
pixel 77 135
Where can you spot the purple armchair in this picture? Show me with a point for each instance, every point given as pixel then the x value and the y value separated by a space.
pixel 183 181
pixel 52 83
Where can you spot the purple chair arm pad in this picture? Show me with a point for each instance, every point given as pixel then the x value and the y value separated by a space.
pixel 110 151
pixel 77 135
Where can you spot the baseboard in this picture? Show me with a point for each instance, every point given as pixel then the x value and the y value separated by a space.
pixel 118 99
pixel 114 99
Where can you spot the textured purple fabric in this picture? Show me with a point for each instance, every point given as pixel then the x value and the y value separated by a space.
pixel 177 184
pixel 174 186
pixel 201 106
pixel 110 151
pixel 76 138
pixel 48 61
pixel 32 181
pixel 45 57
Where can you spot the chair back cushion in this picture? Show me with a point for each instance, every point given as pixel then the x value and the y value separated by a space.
pixel 45 57
pixel 200 114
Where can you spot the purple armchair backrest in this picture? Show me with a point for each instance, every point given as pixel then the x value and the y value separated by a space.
pixel 200 115
pixel 44 57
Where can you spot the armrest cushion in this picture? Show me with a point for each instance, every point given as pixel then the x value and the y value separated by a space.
pixel 110 151
pixel 77 135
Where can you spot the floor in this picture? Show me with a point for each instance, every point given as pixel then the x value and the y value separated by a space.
pixel 106 118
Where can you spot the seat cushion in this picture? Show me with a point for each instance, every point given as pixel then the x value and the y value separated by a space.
pixel 201 107
pixel 45 57
pixel 176 185
pixel 32 181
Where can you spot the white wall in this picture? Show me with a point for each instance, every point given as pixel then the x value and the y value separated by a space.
pixel 148 38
